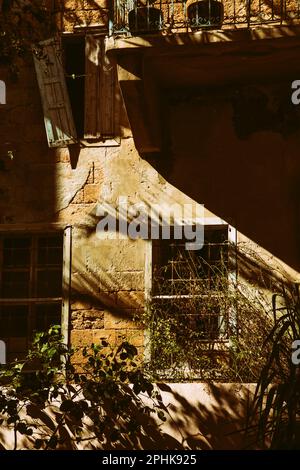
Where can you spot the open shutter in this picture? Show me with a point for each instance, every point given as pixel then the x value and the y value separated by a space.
pixel 99 90
pixel 108 91
pixel 93 53
pixel 59 123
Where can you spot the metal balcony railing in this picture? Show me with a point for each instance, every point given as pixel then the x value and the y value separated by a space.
pixel 170 16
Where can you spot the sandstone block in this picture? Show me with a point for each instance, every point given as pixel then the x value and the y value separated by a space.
pixel 91 193
pixel 87 319
pixel 81 304
pixel 134 337
pixel 117 322
pixel 107 335
pixel 81 338
pixel 98 175
pixel 131 299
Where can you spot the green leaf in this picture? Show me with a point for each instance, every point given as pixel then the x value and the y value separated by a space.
pixel 38 444
pixel 66 405
pixel 21 428
pixel 52 443
pixel 123 376
pixel 13 419
pixel 161 415
pixel 115 435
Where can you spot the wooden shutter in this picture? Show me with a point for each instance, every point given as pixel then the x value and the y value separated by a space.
pixel 108 90
pixel 92 87
pixel 99 90
pixel 59 123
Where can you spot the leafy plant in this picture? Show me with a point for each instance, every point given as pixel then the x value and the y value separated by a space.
pixel 277 396
pixel 22 23
pixel 50 403
pixel 207 324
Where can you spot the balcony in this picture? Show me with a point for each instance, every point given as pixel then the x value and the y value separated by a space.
pixel 136 17
pixel 165 54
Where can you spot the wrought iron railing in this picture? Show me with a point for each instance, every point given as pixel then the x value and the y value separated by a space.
pixel 170 16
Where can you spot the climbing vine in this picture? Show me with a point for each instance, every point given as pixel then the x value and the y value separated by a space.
pixel 207 323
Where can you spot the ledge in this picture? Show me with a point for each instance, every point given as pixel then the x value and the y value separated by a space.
pixel 151 64
pixel 255 33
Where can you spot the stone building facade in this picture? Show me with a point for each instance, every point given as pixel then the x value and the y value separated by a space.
pixel 174 127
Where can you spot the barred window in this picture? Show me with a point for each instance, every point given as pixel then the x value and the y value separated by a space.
pixel 182 270
pixel 189 298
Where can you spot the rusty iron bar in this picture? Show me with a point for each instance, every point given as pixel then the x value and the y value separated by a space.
pixel 138 16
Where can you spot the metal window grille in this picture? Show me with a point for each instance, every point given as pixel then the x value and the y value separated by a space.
pixel 192 284
pixel 137 16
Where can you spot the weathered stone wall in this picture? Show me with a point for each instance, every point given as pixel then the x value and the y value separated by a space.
pixel 44 188
pixel 108 275
pixel 73 13
pixel 200 416
pixel 208 416
pixel 63 186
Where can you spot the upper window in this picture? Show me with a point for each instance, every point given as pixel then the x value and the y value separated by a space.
pixel 5 6
pixel 30 288
pixel 78 89
pixel 74 61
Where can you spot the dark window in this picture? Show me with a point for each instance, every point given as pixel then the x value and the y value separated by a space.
pixel 188 285
pixel 74 52
pixel 91 84
pixel 30 288
pixel 6 6
pixel 189 302
pixel 180 270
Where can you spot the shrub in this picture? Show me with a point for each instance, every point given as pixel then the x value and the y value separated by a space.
pixel 47 404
